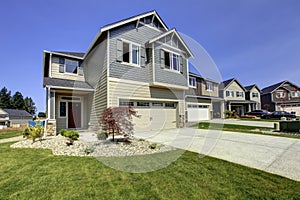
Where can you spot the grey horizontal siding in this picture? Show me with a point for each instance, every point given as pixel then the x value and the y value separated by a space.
pixel 141 36
pixel 168 76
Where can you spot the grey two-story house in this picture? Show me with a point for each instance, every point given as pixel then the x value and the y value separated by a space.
pixel 136 62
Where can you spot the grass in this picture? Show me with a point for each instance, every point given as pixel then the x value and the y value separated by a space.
pixel 10 134
pixel 37 174
pixel 261 120
pixel 242 129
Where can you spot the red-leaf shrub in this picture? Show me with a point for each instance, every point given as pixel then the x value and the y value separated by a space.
pixel 118 120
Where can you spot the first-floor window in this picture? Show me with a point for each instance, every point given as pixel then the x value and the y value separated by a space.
pixel 62 109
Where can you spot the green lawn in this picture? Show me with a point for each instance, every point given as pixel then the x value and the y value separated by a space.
pixel 37 174
pixel 241 129
pixel 261 120
pixel 10 134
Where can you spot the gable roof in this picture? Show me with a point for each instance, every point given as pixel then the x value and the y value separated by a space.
pixel 18 113
pixel 134 18
pixel 273 87
pixel 229 81
pixel 3 114
pixel 249 87
pixel 172 31
pixel 122 22
pixel 64 83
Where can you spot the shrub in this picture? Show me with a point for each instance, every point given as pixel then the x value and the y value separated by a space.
pixel 34 132
pixel 26 133
pixel 62 132
pixel 153 146
pixel 72 134
pixel 89 150
pixel 102 136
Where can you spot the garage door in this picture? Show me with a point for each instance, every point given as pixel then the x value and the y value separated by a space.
pixel 295 109
pixel 155 116
pixel 197 112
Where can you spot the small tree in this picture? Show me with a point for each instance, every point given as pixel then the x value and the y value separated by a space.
pixel 118 120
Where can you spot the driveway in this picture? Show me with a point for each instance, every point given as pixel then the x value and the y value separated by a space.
pixel 272 154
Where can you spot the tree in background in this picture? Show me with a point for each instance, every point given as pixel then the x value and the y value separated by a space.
pixel 17 101
pixel 5 98
pixel 29 105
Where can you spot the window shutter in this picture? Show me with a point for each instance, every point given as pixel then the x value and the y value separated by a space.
pixel 61 61
pixel 61 68
pixel 143 56
pixel 181 64
pixel 119 50
pixel 80 71
pixel 162 58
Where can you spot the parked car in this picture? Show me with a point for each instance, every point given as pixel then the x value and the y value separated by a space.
pixel 278 115
pixel 258 113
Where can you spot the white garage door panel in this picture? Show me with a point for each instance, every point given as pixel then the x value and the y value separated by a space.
pixel 155 119
pixel 197 114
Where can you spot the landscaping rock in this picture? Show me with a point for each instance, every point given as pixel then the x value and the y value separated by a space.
pixel 100 148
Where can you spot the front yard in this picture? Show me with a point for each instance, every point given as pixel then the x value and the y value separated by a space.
pixel 37 174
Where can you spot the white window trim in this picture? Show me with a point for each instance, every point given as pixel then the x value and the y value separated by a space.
pixel 281 96
pixel 59 109
pixel 231 93
pixel 171 60
pixel 67 108
pixel 239 94
pixel 207 88
pixel 65 67
pixel 192 86
pixel 293 94
pixel 130 53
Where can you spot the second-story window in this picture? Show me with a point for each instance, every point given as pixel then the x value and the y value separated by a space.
pixel 229 94
pixel 171 61
pixel 254 94
pixel 209 86
pixel 295 94
pixel 239 94
pixel 280 95
pixel 192 82
pixel 131 53
pixel 68 66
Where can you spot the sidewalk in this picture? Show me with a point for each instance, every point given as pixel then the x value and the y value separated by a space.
pixel 13 139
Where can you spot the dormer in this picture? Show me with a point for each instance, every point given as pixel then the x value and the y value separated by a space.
pixel 63 65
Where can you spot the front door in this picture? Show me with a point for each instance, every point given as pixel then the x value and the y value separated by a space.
pixel 74 115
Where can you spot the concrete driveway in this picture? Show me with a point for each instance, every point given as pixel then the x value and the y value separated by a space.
pixel 278 155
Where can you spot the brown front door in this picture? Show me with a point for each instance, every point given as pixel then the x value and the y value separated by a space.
pixel 74 115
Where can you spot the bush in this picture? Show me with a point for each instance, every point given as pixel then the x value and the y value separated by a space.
pixel 34 132
pixel 89 150
pixel 72 134
pixel 102 136
pixel 153 146
pixel 62 132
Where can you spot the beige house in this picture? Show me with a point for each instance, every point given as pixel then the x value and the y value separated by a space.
pixel 136 62
pixel 235 96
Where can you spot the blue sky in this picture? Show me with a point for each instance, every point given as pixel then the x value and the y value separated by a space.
pixel 256 41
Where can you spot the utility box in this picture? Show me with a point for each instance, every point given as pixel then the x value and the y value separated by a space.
pixel 289 126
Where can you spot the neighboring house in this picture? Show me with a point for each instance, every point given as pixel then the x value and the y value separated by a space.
pixel 281 96
pixel 17 116
pixel 235 97
pixel 202 99
pixel 3 118
pixel 137 62
pixel 253 94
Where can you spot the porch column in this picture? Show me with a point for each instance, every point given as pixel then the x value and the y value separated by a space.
pixel 249 107
pixel 229 106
